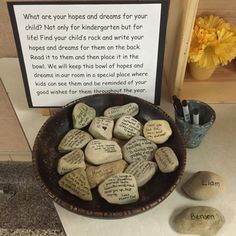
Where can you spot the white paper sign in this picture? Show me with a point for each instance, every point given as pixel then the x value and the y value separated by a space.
pixel 68 51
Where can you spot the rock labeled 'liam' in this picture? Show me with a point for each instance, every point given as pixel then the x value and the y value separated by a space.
pixel 157 131
pixel 74 139
pixel 201 220
pixel 138 148
pixel 116 112
pixel 71 161
pixel 97 174
pixel 100 151
pixel 102 127
pixel 142 171
pixel 82 115
pixel 204 185
pixel 127 127
pixel 76 183
pixel 119 189
pixel 166 159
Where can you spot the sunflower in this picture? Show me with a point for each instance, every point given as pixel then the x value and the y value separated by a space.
pixel 213 42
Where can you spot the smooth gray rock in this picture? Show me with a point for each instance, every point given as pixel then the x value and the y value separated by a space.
pixel 76 183
pixel 74 139
pixel 142 171
pixel 71 161
pixel 100 151
pixel 157 131
pixel 201 220
pixel 127 127
pixel 119 189
pixel 82 115
pixel 116 112
pixel 166 159
pixel 102 127
pixel 204 185
pixel 138 148
pixel 97 174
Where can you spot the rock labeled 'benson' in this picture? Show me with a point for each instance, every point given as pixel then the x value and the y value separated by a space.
pixel 142 171
pixel 201 220
pixel 204 185
pixel 138 148
pixel 157 131
pixel 116 112
pixel 102 127
pixel 82 115
pixel 119 189
pixel 100 151
pixel 71 161
pixel 127 127
pixel 74 139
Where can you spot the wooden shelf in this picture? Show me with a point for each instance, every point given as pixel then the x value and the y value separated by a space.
pixel 220 88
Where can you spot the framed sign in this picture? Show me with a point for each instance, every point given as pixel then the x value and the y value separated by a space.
pixel 68 50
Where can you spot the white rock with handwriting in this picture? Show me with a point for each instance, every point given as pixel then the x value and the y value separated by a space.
pixel 116 112
pixel 74 139
pixel 204 185
pixel 127 127
pixel 119 189
pixel 71 161
pixel 138 148
pixel 143 171
pixel 102 127
pixel 166 159
pixel 97 174
pixel 82 115
pixel 76 183
pixel 200 220
pixel 100 151
pixel 157 131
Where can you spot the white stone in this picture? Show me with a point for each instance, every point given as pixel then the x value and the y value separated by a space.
pixel 74 139
pixel 166 159
pixel 127 127
pixel 116 112
pixel 157 131
pixel 201 220
pixel 100 151
pixel 204 185
pixel 102 127
pixel 71 161
pixel 76 183
pixel 97 174
pixel 143 171
pixel 119 189
pixel 138 148
pixel 82 115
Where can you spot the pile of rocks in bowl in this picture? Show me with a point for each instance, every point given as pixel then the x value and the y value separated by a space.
pixel 115 153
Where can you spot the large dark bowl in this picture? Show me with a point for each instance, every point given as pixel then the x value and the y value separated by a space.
pixel 46 155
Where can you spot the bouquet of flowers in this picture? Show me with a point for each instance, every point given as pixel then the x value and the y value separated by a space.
pixel 213 42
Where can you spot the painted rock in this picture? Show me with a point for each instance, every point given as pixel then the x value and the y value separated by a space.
pixel 166 160
pixel 102 127
pixel 138 148
pixel 100 151
pixel 74 139
pixel 116 112
pixel 142 171
pixel 204 185
pixel 76 183
pixel 119 189
pixel 97 174
pixel 71 161
pixel 82 115
pixel 201 220
pixel 157 131
pixel 127 127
